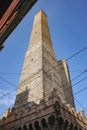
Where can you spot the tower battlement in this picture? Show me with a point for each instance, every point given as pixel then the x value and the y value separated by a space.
pixel 44 112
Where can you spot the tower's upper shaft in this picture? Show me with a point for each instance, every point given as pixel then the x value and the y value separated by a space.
pixel 40 32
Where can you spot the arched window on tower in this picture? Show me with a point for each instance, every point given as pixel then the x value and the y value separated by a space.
pixel 30 127
pixel 19 128
pixel 80 129
pixel 66 125
pixel 76 128
pixel 71 127
pixel 51 120
pixel 36 124
pixel 24 127
pixel 44 123
pixel 61 123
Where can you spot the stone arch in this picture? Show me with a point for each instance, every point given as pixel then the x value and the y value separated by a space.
pixel 61 123
pixel 71 126
pixel 66 124
pixel 61 120
pixel 36 125
pixel 19 128
pixel 24 127
pixel 51 120
pixel 80 129
pixel 43 123
pixel 30 126
pixel 76 127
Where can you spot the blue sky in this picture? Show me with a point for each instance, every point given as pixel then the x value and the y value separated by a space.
pixel 68 27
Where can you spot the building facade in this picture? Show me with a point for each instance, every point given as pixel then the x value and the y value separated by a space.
pixel 11 13
pixel 44 98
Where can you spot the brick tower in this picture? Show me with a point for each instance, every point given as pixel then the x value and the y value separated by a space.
pixel 41 71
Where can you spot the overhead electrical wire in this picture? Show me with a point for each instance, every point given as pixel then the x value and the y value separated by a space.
pixel 80 90
pixel 77 70
pixel 80 105
pixel 61 63
pixel 76 53
pixel 63 84
pixel 64 61
pixel 34 87
pixel 79 81
pixel 79 74
pixel 36 99
pixel 65 110
pixel 68 58
pixel 13 90
pixel 61 107
pixel 83 49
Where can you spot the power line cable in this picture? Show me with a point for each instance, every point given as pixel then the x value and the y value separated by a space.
pixel 83 49
pixel 76 53
pixel 8 93
pixel 61 107
pixel 7 81
pixel 75 117
pixel 81 105
pixel 15 73
pixel 79 81
pixel 67 59
pixel 80 74
pixel 12 90
pixel 72 56
pixel 49 93
pixel 80 90
pixel 78 70
pixel 63 84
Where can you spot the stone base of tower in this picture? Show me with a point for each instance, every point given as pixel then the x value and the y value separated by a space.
pixel 50 115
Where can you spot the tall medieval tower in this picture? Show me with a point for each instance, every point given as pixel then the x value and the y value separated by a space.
pixel 41 71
